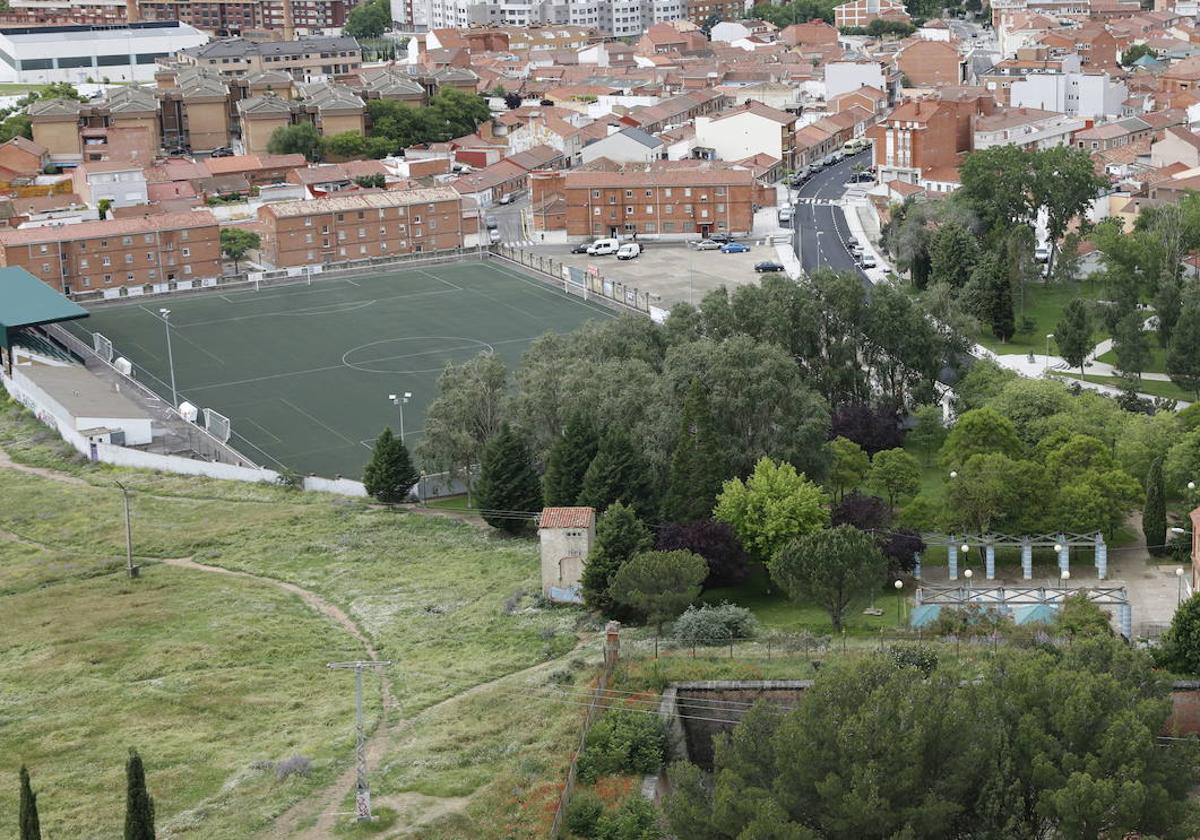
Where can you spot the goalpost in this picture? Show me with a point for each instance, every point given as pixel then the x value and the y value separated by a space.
pixel 103 347
pixel 217 425
pixel 575 282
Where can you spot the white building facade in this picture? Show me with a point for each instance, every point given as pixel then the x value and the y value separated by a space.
pixel 1089 95
pixel 618 18
pixel 76 53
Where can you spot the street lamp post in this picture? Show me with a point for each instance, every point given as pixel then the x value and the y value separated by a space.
pixel 968 574
pixel 1048 337
pixel 899 585
pixel 166 316
pixel 399 400
pixel 1179 587
pixel 1065 577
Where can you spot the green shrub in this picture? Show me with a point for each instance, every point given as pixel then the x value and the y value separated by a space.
pixel 921 657
pixel 622 741
pixel 1180 649
pixel 636 819
pixel 715 625
pixel 584 813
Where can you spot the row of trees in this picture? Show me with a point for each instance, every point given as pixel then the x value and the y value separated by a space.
pixel 139 806
pixel 1145 266
pixel 901 746
pixel 973 254
pixel 394 126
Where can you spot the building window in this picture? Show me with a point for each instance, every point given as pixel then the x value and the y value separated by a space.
pixel 187 269
pixel 308 221
pixel 105 261
pixel 362 233
pixel 129 277
pixel 45 268
pixel 129 259
pixel 720 208
pixel 183 234
pixel 107 279
pixel 126 240
pixel 45 248
pixel 595 211
pixel 650 209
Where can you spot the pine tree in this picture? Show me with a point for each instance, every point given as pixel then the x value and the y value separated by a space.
pixel 1073 334
pixel 618 473
pixel 619 536
pixel 139 807
pixel 697 468
pixel 30 827
pixel 1002 321
pixel 507 483
pixel 390 475
pixel 1154 514
pixel 568 461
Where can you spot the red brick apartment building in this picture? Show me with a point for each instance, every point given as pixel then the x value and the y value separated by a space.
pixel 361 225
pixel 91 256
pixel 702 199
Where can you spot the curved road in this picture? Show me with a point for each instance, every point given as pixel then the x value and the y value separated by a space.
pixel 819 231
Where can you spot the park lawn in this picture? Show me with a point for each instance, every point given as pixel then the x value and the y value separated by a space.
pixel 1153 387
pixel 1156 364
pixel 452 605
pixel 451 503
pixel 775 611
pixel 13 88
pixel 1044 303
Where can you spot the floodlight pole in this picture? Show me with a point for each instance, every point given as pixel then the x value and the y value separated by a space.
pixel 362 790
pixel 166 316
pixel 130 569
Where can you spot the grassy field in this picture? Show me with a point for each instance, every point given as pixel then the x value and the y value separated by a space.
pixel 304 372
pixel 1044 304
pixel 1154 387
pixel 1156 364
pixel 208 675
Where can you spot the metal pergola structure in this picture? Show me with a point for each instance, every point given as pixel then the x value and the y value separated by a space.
pixel 1062 543
pixel 1005 598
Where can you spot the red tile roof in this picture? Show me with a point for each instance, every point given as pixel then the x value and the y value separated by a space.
pixel 567 517
pixel 108 227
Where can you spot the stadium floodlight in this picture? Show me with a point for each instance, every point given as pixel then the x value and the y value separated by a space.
pixel 399 400
pixel 166 316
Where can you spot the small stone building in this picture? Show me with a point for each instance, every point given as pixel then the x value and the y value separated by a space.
pixel 566 535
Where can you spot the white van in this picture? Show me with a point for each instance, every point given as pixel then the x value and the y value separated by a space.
pixel 603 247
pixel 493 236
pixel 628 251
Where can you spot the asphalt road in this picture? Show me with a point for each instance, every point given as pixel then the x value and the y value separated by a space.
pixel 820 233
pixel 508 219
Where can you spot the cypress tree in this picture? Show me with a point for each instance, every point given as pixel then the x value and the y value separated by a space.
pixel 696 465
pixel 619 536
pixel 139 807
pixel 1002 319
pixel 30 827
pixel 568 461
pixel 618 473
pixel 1154 514
pixel 390 473
pixel 507 482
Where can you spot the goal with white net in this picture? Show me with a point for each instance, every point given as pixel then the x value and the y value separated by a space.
pixel 217 425
pixel 575 282
pixel 102 346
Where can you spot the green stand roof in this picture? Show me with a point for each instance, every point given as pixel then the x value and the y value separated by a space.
pixel 26 301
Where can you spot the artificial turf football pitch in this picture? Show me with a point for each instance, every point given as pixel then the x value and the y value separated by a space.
pixel 304 371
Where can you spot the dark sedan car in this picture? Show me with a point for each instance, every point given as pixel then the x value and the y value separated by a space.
pixel 766 266
pixel 581 248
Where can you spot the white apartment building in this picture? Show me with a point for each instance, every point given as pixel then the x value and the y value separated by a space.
pixel 1089 95
pixel 845 76
pixel 619 18
pixel 1026 127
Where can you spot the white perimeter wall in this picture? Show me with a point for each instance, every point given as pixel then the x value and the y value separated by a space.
pixel 26 392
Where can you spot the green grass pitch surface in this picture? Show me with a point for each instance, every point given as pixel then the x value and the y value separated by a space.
pixel 304 371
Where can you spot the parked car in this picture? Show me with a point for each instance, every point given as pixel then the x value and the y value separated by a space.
pixel 767 266
pixel 629 251
pixel 1041 253
pixel 507 198
pixel 734 248
pixel 603 247
pixel 708 245
pixel 720 237
pixel 223 151
pixel 866 261
pixel 492 224
pixel 493 236
pixel 785 215
pixel 581 248
pixel 855 247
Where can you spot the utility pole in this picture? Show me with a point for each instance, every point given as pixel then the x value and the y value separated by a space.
pixel 130 569
pixel 362 791
pixel 166 315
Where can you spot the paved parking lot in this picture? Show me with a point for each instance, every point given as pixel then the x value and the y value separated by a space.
pixel 672 270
